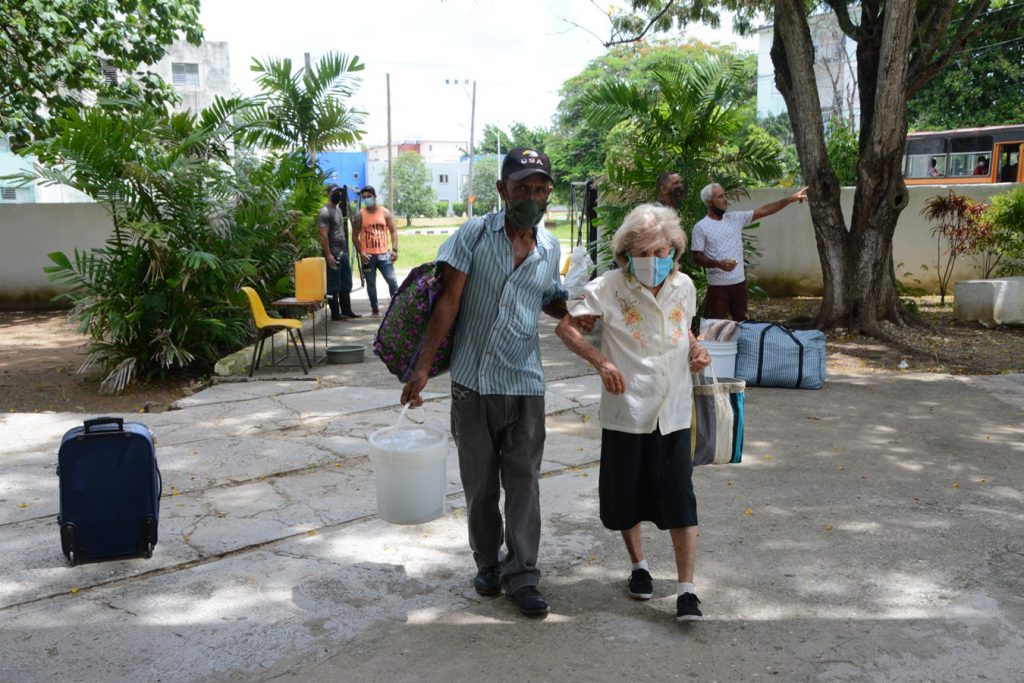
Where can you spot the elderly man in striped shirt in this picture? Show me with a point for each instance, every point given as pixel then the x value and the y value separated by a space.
pixel 499 272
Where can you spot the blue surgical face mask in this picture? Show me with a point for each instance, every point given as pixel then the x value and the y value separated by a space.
pixel 651 270
pixel 369 201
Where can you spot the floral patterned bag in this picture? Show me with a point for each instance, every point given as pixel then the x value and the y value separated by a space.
pixel 403 329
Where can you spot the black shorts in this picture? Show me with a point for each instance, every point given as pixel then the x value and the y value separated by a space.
pixel 646 478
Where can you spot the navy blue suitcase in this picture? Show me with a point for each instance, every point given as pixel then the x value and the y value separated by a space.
pixel 109 490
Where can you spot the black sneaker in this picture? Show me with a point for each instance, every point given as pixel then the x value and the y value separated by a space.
pixel 641 587
pixel 529 601
pixel 488 581
pixel 686 608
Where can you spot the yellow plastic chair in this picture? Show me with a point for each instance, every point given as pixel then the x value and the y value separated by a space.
pixel 311 279
pixel 267 327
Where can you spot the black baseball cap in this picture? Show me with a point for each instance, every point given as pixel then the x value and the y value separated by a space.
pixel 368 188
pixel 522 162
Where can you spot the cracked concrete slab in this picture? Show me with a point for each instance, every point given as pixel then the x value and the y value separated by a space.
pixel 871 533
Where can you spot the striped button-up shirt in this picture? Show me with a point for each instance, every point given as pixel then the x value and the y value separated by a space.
pixel 496 348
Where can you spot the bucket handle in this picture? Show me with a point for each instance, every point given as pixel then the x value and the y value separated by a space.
pixel 401 416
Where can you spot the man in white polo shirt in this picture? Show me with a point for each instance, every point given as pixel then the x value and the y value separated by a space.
pixel 717 245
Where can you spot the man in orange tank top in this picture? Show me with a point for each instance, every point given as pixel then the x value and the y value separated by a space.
pixel 371 228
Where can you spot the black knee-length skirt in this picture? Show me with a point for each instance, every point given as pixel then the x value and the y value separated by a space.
pixel 646 477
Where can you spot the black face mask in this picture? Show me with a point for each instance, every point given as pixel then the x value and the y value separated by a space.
pixel 715 211
pixel 337 196
pixel 676 192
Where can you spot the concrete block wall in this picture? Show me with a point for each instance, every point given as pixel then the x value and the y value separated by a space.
pixel 788 263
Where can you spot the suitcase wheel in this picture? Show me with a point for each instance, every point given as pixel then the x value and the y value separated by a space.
pixel 71 558
pixel 148 553
pixel 67 541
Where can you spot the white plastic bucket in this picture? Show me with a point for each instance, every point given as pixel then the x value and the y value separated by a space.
pixel 409 472
pixel 723 357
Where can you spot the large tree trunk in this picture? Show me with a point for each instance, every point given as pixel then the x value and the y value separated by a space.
pixel 857 269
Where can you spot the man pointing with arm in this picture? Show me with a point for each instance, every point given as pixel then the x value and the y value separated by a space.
pixel 717 245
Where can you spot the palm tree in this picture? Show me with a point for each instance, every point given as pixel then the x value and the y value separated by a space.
pixel 690 121
pixel 305 110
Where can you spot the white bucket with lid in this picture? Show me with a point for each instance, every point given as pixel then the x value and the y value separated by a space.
pixel 723 357
pixel 409 472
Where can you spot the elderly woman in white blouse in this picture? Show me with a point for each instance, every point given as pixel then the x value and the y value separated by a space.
pixel 646 357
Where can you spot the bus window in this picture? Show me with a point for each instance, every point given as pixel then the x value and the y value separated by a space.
pixel 1008 163
pixel 968 154
pixel 926 166
pixel 919 155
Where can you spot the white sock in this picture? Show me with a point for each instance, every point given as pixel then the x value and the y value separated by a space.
pixel 684 587
pixel 642 564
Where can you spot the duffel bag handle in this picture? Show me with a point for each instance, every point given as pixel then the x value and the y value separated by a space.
pixel 800 354
pixel 97 421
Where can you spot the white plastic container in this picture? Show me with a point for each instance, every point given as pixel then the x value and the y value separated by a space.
pixel 723 357
pixel 409 472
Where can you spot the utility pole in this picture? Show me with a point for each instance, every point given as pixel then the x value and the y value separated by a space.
pixel 391 174
pixel 309 150
pixel 469 180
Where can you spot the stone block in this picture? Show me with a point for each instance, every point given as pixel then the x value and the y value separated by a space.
pixel 998 301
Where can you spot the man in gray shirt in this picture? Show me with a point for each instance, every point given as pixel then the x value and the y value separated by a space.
pixel 334 242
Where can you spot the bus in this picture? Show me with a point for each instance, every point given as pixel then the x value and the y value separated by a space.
pixel 964 156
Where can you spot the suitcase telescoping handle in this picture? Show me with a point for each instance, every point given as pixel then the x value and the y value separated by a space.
pixel 97 421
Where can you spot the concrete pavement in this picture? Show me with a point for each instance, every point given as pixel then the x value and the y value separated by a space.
pixel 873 532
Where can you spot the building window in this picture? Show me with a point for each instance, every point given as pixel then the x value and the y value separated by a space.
pixel 443 178
pixel 108 72
pixel 8 194
pixel 185 75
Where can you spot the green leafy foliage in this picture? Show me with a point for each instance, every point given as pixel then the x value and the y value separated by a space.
pixel 305 110
pixel 160 297
pixel 485 179
pixel 413 195
pixel 980 86
pixel 843 150
pixel 51 54
pixel 576 143
pixel 689 121
pixel 1006 217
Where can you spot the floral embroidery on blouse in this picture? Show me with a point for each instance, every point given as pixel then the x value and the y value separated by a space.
pixel 677 316
pixel 633 318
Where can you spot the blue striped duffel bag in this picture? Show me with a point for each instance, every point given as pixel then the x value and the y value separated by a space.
pixel 770 355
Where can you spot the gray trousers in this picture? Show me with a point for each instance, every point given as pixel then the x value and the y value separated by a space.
pixel 500 440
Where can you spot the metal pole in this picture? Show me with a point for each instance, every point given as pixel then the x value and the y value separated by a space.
pixel 469 180
pixel 391 174
pixel 309 150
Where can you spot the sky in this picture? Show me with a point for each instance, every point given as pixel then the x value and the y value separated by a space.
pixel 519 52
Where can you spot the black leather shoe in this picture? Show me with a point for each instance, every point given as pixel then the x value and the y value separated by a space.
pixel 353 314
pixel 529 601
pixel 488 581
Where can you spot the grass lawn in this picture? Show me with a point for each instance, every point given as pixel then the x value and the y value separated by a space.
pixel 417 249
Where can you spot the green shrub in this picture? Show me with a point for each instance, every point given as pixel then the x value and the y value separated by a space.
pixel 442 207
pixel 459 208
pixel 161 296
pixel 1006 216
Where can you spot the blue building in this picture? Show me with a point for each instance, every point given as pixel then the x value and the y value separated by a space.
pixel 344 168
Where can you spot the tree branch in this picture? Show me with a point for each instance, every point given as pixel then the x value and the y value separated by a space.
pixel 846 24
pixel 923 68
pixel 651 23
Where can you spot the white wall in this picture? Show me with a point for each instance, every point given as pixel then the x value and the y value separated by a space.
pixel 788 263
pixel 29 232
